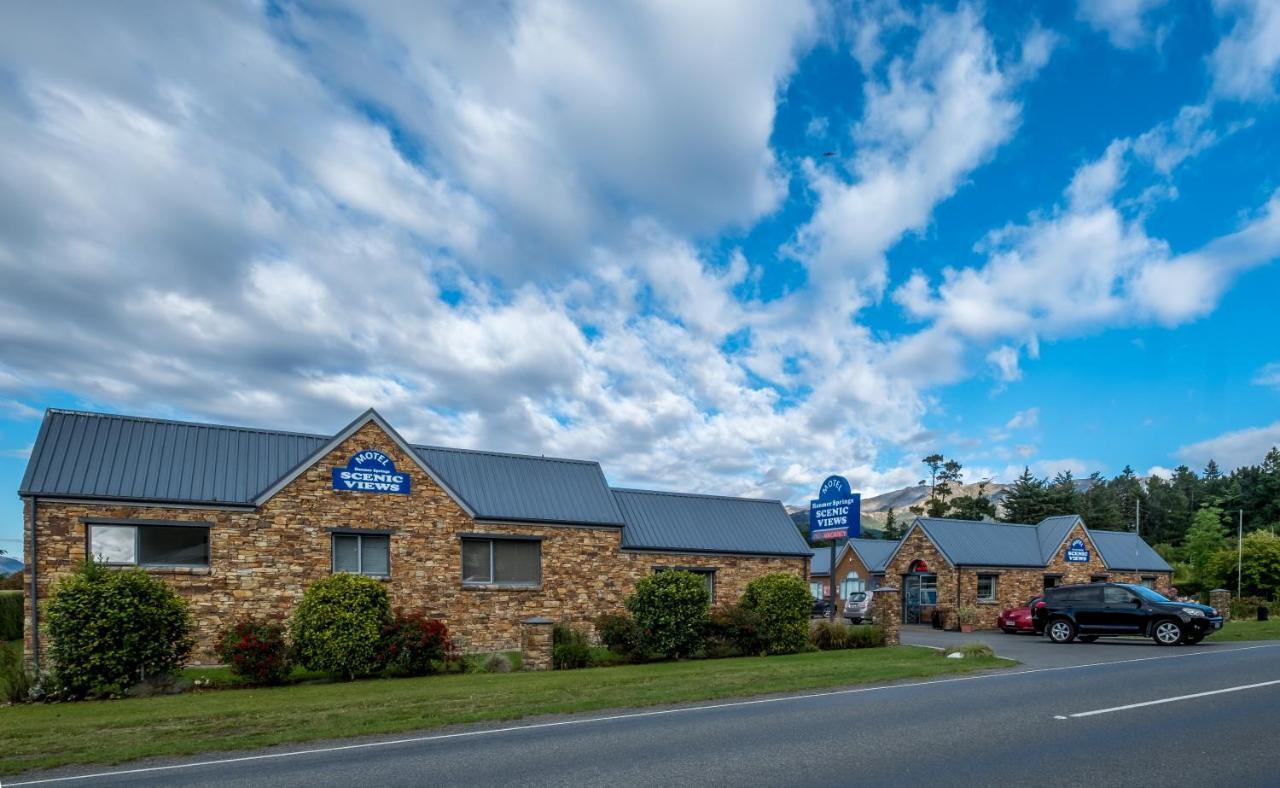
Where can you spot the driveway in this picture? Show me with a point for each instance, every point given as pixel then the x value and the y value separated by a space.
pixel 1036 651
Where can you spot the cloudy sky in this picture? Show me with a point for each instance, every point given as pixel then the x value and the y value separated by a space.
pixel 718 246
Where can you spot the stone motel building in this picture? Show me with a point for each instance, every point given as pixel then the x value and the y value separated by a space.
pixel 943 565
pixel 240 521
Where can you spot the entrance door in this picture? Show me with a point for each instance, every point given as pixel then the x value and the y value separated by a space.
pixel 920 596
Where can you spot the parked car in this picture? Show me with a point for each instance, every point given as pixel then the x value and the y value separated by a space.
pixel 857 608
pixel 1097 610
pixel 1018 619
pixel 821 608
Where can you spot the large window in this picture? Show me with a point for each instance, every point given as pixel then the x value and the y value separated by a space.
pixel 362 554
pixel 708 577
pixel 139 544
pixel 987 588
pixel 511 562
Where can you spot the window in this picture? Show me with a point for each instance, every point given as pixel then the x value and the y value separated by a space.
pixel 150 545
pixel 1098 579
pixel 986 588
pixel 708 578
pixel 816 589
pixel 1112 595
pixel 362 554
pixel 852 584
pixel 1149 582
pixel 513 562
pixel 1052 581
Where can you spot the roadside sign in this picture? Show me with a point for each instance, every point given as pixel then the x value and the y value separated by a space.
pixel 837 511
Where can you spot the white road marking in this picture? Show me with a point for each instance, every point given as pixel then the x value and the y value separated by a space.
pixel 615 717
pixel 1126 707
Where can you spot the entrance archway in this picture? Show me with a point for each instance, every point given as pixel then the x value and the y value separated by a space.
pixel 919 593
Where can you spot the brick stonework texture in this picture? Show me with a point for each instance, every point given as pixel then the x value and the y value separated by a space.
pixel 536 644
pixel 1014 586
pixel 887 613
pixel 1220 600
pixel 262 560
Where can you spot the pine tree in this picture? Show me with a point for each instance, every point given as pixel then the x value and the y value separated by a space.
pixel 1026 501
pixel 1100 508
pixel 1061 496
pixel 943 474
pixel 891 529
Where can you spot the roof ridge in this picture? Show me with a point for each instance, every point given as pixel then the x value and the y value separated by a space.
pixel 514 455
pixel 694 495
pixel 975 522
pixel 183 423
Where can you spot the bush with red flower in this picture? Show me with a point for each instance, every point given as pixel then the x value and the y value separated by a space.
pixel 257 652
pixel 415 645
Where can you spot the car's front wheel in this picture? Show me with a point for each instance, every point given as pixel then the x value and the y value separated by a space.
pixel 1167 632
pixel 1061 630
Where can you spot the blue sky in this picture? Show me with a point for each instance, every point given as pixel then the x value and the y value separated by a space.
pixel 717 249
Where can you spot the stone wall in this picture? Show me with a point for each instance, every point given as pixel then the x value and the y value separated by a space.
pixel 261 560
pixel 918 546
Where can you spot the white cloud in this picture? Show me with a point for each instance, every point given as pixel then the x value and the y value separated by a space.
pixel 1124 21
pixel 1245 62
pixel 1233 449
pixel 1268 375
pixel 1171 143
pixel 1161 471
pixel 1024 419
pixel 936 116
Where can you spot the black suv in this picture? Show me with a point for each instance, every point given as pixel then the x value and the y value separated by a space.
pixel 1097 609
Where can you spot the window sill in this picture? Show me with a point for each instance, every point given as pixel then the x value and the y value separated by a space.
pixel 162 570
pixel 988 601
pixel 500 587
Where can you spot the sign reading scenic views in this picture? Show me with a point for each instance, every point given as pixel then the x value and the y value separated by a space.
pixel 1077 553
pixel 370 471
pixel 836 513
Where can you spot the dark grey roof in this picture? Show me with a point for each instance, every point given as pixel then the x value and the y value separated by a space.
pixel 681 522
pixel 972 543
pixel 1123 551
pixel 525 488
pixel 1051 532
pixel 820 559
pixel 98 455
pixel 874 553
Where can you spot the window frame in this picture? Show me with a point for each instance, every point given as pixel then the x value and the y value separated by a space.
pixel 492 582
pixel 852 577
pixel 361 533
pixel 994 596
pixel 91 522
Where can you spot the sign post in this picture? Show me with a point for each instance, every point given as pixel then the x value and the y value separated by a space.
pixel 835 514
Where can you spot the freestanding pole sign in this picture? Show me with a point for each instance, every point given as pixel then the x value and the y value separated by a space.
pixel 835 514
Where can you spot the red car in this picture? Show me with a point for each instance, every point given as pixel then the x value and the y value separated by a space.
pixel 1018 619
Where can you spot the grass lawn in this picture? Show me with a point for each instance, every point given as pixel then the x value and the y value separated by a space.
pixel 1248 630
pixel 44 736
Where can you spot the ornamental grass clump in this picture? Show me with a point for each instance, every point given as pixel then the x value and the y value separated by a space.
pixel 338 626
pixel 257 653
pixel 670 609
pixel 112 629
pixel 782 604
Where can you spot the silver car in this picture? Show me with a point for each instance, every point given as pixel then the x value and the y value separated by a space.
pixel 857 608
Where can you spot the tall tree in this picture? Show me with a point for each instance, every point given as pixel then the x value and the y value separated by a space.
pixel 1062 496
pixel 1026 501
pixel 944 474
pixel 1205 538
pixel 1100 509
pixel 1129 496
pixel 891 528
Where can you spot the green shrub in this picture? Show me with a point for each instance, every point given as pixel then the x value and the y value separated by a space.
pixel 782 603
pixel 830 636
pixel 10 615
pixel 621 635
pixel 569 648
pixel 416 645
pixel 970 650
pixel 732 631
pixel 256 652
pixel 496 663
pixel 670 609
pixel 110 629
pixel 15 682
pixel 337 627
pixel 604 657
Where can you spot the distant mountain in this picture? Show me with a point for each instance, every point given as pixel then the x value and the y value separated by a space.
pixel 9 565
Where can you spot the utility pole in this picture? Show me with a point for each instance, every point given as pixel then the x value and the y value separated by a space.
pixel 1239 551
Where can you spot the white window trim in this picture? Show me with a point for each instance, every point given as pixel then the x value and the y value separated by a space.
pixel 995 587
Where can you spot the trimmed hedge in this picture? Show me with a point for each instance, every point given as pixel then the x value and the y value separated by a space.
pixel 337 627
pixel 783 605
pixel 670 609
pixel 10 615
pixel 111 629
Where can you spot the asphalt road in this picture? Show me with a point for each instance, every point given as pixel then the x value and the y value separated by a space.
pixel 1000 728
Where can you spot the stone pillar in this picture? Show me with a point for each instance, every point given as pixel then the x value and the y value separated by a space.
pixel 1220 600
pixel 535 643
pixel 887 613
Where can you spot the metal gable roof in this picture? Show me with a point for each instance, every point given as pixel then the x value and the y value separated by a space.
pixel 874 553
pixel 99 455
pixel 525 488
pixel 1124 551
pixel 820 558
pixel 1052 531
pixel 684 522
pixel 975 543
